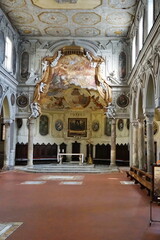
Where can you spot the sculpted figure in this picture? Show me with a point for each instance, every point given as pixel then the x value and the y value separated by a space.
pixel 111 111
pixel 41 87
pixel 44 66
pixel 35 110
pixel 55 61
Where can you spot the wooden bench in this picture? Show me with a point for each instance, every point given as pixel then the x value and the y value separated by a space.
pixel 141 177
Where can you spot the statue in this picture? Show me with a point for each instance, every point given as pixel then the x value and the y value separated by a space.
pixel 35 110
pixel 55 61
pixel 111 111
pixel 44 66
pixel 41 87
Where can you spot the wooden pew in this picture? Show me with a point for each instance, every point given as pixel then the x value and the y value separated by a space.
pixel 141 177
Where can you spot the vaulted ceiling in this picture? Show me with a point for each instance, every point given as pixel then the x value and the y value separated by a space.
pixel 71 18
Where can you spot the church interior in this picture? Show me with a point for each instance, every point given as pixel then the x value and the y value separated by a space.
pixel 79 99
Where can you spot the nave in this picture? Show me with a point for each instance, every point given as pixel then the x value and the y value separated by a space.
pixel 47 206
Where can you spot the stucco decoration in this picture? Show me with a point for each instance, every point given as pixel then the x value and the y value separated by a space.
pixel 121 3
pixel 2 47
pixel 87 32
pixel 28 30
pixel 20 17
pixel 58 31
pixel 55 18
pixel 117 31
pixel 109 18
pixel 118 18
pixel 13 3
pixel 86 18
pixel 71 79
pixel 51 4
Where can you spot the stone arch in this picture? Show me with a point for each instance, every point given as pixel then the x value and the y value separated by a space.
pixel 157 85
pixel 149 94
pixel 139 105
pixel 133 106
pixel 6 108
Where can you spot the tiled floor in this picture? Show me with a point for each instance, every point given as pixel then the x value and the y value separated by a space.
pixel 76 207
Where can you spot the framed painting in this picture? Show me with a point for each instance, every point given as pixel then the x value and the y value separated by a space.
pixel 77 127
pixel 156 183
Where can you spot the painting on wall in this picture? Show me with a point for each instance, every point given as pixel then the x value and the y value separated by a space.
pixel 156 183
pixel 122 65
pixel 108 127
pixel 77 127
pixel 120 124
pixel 43 125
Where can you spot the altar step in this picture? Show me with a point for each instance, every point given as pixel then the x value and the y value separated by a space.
pixel 67 168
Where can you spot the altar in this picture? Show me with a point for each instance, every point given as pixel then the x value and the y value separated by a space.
pixel 60 157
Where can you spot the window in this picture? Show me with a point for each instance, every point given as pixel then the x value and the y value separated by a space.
pixel 150 15
pixel 140 33
pixel 8 54
pixel 133 51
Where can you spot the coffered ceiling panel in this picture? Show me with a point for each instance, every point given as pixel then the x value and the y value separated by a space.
pixel 87 32
pixel 81 4
pixel 58 31
pixel 55 18
pixel 86 18
pixel 91 18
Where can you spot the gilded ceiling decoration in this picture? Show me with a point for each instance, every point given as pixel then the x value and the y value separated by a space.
pixel 118 31
pixel 21 17
pixel 28 30
pixel 55 18
pixel 87 32
pixel 81 4
pixel 121 3
pixel 109 17
pixel 117 18
pixel 13 3
pixel 57 31
pixel 86 18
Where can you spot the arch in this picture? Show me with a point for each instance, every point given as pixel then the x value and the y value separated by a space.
pixel 157 90
pixel 149 94
pixel 6 108
pixel 139 105
pixel 88 45
pixel 133 105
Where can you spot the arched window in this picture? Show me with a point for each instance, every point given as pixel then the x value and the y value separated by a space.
pixel 140 33
pixel 149 14
pixel 8 54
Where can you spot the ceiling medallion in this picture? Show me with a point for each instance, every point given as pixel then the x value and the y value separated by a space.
pixel 122 101
pixel 66 1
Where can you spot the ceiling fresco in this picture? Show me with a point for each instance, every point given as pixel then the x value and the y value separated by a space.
pixel 83 18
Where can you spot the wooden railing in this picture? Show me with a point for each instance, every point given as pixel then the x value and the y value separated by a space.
pixel 141 177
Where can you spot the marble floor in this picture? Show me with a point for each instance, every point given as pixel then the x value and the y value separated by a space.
pixel 108 206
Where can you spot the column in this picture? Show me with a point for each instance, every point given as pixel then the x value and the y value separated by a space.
pixel 30 141
pixel 141 145
pixel 150 142
pixel 113 143
pixel 7 146
pixel 134 143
